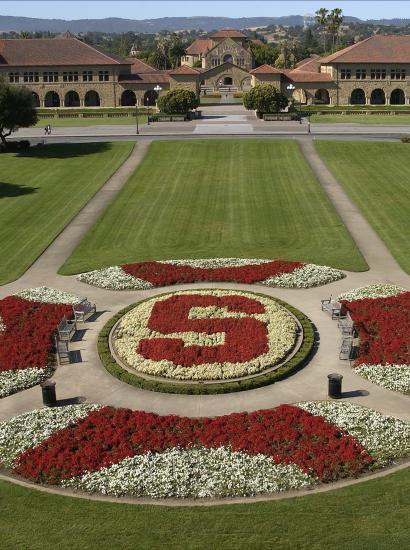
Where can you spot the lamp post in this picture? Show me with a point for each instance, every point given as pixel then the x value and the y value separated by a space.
pixel 291 88
pixel 147 102
pixel 136 115
pixel 157 89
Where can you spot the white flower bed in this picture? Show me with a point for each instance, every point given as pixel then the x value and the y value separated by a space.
pixel 392 377
pixel 12 381
pixel 305 277
pixel 215 263
pixel 310 275
pixel 29 429
pixel 113 278
pixel 193 473
pixel 133 327
pixel 371 291
pixel 384 437
pixel 48 296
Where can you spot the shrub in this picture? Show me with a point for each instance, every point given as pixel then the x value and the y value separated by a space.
pixel 178 101
pixel 405 139
pixel 265 98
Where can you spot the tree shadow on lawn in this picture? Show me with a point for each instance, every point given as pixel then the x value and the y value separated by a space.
pixel 15 190
pixel 65 150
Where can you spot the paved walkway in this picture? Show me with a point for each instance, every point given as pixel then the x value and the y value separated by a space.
pixel 88 379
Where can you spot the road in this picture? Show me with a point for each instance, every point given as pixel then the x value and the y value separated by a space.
pixel 218 121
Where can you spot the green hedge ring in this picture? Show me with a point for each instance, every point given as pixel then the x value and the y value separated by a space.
pixel 295 363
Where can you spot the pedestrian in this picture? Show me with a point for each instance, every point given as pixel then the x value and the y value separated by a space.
pixel 46 130
pixel 49 129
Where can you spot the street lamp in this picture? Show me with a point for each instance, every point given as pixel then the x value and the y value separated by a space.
pixel 157 89
pixel 291 88
pixel 136 115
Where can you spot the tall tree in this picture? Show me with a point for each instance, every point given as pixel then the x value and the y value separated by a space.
pixel 335 20
pixel 321 16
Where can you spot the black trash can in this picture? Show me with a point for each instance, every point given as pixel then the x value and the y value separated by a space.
pixel 335 385
pixel 48 390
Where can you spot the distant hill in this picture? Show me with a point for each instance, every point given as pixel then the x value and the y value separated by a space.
pixel 116 24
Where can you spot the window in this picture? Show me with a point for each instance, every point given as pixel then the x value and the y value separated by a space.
pixel 103 76
pixel 87 76
pixel 70 76
pixel 360 74
pixel 398 74
pixel 14 77
pixel 345 74
pixel 50 77
pixel 31 77
pixel 241 61
pixel 377 74
pixel 215 61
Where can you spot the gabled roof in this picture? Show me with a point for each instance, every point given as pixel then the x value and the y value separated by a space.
pixel 157 77
pixel 138 66
pixel 221 68
pixel 227 33
pixel 266 69
pixel 311 64
pixel 307 76
pixel 200 46
pixel 376 49
pixel 184 69
pixel 55 51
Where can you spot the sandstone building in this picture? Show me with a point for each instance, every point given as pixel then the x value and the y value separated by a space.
pixel 66 72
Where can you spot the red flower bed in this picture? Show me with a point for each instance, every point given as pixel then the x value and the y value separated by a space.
pixel 245 337
pixel 26 342
pixel 287 433
pixel 384 329
pixel 161 274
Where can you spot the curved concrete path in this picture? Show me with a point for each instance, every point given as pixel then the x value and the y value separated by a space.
pixel 89 380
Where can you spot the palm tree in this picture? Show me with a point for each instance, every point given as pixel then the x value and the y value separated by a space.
pixel 335 19
pixel 322 21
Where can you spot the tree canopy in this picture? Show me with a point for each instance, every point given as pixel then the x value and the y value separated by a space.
pixel 265 98
pixel 178 101
pixel 17 109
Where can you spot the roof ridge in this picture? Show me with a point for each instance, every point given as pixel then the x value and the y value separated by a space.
pixel 96 50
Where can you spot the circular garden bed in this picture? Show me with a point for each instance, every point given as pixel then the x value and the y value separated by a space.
pixel 206 341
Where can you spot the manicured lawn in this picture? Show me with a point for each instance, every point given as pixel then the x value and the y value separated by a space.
pixel 210 198
pixel 42 190
pixel 103 121
pixel 361 119
pixel 377 177
pixel 370 516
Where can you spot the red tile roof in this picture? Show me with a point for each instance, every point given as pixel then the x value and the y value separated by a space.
pixel 311 64
pixel 138 66
pixel 266 69
pixel 158 77
pixel 54 51
pixel 297 75
pixel 200 46
pixel 227 33
pixel 184 69
pixel 376 49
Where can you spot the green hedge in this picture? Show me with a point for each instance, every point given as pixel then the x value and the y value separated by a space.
pixel 298 361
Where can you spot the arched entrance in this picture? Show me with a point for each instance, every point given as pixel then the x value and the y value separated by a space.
pixel 52 99
pixel 128 98
pixel 150 98
pixel 227 81
pixel 397 97
pixel 227 58
pixel 358 97
pixel 36 99
pixel 322 96
pixel 72 99
pixel 378 97
pixel 92 99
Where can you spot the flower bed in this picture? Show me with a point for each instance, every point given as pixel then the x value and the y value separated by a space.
pixel 276 273
pixel 28 322
pixel 381 314
pixel 205 335
pixel 124 452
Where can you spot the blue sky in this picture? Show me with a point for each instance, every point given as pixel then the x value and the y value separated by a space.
pixel 83 9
